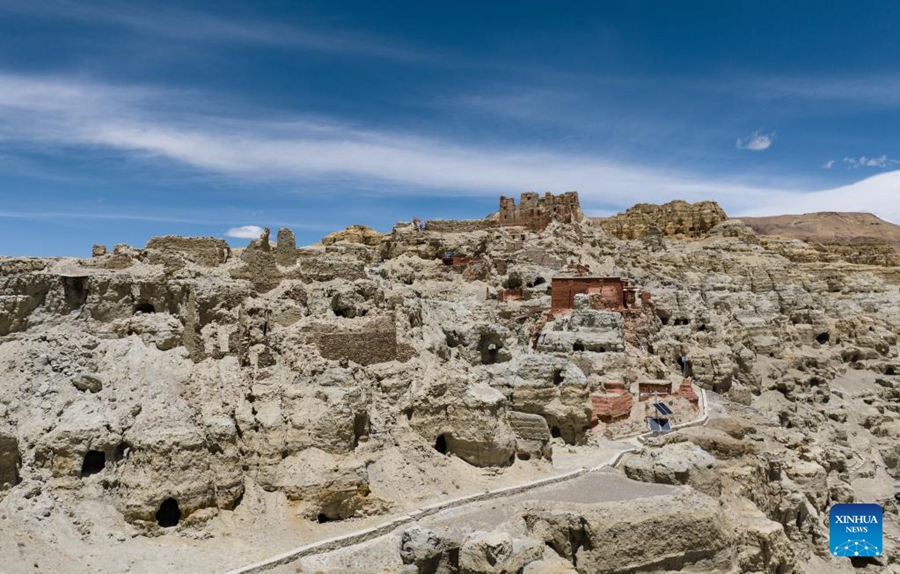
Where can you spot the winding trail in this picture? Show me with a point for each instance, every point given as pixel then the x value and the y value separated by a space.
pixel 368 534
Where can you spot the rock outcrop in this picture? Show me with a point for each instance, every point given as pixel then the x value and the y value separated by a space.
pixel 678 463
pixel 676 218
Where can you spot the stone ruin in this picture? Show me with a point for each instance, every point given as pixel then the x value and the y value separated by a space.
pixel 536 212
pixel 610 293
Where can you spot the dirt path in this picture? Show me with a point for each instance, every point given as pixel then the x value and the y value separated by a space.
pixel 594 484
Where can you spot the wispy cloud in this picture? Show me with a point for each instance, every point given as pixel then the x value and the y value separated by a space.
pixel 881 162
pixel 245 232
pixel 186 25
pixel 757 141
pixel 828 164
pixel 132 121
pixel 876 90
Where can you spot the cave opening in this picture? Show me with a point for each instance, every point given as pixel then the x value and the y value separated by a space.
pixel 75 291
pixel 890 370
pixel 524 456
pixel 555 432
pixel 440 444
pixel 168 514
pixel 94 461
pixel 822 338
pixel 557 377
pixel 489 346
pixel 579 346
pixel 322 518
pixel 360 427
pixel 539 281
pixel 144 307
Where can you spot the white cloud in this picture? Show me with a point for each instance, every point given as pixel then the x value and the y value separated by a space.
pixel 244 232
pixel 56 112
pixel 756 141
pixel 881 162
pixel 879 194
pixel 828 164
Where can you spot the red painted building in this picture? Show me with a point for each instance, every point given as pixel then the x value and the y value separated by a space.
pixel 612 293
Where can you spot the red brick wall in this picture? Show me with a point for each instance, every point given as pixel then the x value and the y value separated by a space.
pixel 614 405
pixel 686 391
pixel 646 389
pixel 611 291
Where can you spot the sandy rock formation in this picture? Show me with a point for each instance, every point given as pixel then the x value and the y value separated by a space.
pixel 355 234
pixel 671 219
pixel 623 537
pixel 678 463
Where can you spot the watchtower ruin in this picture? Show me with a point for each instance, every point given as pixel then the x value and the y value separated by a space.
pixel 536 212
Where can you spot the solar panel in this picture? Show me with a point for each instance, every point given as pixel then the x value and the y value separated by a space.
pixel 663 408
pixel 659 425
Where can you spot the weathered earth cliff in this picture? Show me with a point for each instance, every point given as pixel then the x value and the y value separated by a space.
pixel 190 407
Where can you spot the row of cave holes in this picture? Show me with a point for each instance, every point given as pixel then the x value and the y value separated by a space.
pixel 440 444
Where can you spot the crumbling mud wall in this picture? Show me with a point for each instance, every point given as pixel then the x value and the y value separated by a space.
pixel 536 212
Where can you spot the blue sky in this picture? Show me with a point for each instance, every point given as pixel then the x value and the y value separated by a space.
pixel 120 121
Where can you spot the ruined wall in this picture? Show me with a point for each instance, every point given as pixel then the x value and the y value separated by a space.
pixel 367 343
pixel 206 251
pixel 605 292
pixel 647 388
pixel 612 405
pixel 536 212
pixel 459 226
pixel 686 391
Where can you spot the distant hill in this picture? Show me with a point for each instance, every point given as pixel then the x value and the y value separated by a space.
pixel 828 227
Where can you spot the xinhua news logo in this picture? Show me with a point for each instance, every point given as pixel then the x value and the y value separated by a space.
pixel 856 530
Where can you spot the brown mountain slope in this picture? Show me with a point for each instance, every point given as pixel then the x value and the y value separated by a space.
pixel 828 227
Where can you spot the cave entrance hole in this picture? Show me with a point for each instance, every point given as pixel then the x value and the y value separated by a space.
pixel 577 347
pixel 168 514
pixel 94 462
pixel 440 444
pixel 144 307
pixel 360 427
pixel 822 338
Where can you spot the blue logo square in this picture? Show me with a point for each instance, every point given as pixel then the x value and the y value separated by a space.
pixel 856 530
